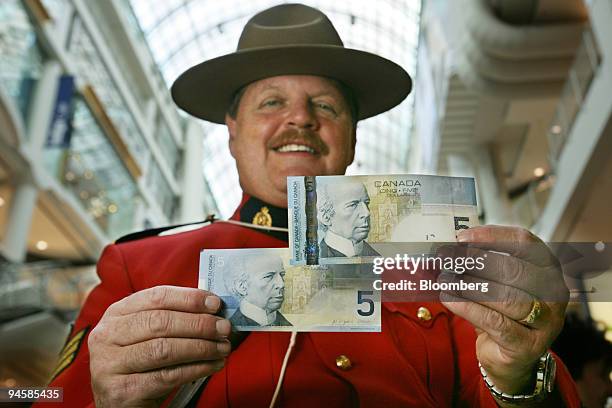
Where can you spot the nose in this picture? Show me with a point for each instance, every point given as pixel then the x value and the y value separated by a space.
pixel 302 116
pixel 364 211
pixel 279 282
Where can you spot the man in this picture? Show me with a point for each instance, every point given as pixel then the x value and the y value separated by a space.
pixel 260 287
pixel 291 96
pixel 344 215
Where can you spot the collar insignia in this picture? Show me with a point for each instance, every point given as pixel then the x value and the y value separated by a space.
pixel 263 217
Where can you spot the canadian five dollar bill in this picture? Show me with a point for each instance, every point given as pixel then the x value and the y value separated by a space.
pixel 261 291
pixel 343 219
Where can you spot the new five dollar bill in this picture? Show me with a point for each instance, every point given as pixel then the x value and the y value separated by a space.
pixel 340 219
pixel 261 291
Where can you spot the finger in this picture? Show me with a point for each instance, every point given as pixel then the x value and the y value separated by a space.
pixel 514 241
pixel 166 352
pixel 513 303
pixel 150 324
pixel 508 334
pixel 176 298
pixel 546 283
pixel 493 266
pixel 160 382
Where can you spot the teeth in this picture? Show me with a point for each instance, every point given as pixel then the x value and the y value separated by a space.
pixel 295 148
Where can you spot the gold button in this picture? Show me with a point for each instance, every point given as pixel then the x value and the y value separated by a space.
pixel 343 362
pixel 424 314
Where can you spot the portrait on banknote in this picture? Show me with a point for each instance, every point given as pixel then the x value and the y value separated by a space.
pixel 344 220
pixel 257 282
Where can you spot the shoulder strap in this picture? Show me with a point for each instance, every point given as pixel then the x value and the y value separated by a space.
pixel 153 232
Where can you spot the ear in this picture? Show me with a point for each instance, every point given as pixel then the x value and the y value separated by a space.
pixel 231 128
pixel 325 219
pixel 242 288
pixel 324 216
pixel 351 156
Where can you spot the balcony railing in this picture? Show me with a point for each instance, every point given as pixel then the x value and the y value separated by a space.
pixel 49 285
pixel 581 74
pixel 529 206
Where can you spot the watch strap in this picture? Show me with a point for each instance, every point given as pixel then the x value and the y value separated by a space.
pixel 545 380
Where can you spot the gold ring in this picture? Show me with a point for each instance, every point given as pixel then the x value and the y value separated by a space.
pixel 534 313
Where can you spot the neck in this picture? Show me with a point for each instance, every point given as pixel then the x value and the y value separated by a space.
pixel 275 198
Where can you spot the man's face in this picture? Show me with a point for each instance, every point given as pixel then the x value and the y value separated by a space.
pixel 292 125
pixel 351 218
pixel 266 286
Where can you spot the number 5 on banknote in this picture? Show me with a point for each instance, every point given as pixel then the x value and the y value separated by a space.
pixel 361 298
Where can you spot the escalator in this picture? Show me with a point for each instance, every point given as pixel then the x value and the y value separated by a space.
pixel 38 300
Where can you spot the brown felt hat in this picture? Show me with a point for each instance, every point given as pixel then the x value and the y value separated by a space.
pixel 290 39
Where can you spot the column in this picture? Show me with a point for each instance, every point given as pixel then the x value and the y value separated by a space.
pixel 192 185
pixel 23 202
pixel 43 103
pixel 15 243
pixel 460 165
pixel 494 198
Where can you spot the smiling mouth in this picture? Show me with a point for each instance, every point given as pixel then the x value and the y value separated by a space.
pixel 298 141
pixel 295 148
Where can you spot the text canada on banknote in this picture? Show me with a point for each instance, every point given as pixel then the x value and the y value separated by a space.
pixel 262 292
pixel 348 218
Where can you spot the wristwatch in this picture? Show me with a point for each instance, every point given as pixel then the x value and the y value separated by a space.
pixel 545 381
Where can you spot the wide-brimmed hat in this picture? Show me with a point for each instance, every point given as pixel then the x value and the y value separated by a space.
pixel 290 39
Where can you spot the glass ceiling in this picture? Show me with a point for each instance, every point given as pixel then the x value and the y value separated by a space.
pixel 182 33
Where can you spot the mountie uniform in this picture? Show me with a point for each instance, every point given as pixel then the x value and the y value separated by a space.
pixel 424 356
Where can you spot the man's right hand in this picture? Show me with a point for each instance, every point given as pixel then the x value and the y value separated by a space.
pixel 153 341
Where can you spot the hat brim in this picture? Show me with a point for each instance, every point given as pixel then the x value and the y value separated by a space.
pixel 206 90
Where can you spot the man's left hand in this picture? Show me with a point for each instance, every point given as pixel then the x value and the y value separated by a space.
pixel 520 271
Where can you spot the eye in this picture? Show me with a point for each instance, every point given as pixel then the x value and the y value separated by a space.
pixel 271 102
pixel 325 106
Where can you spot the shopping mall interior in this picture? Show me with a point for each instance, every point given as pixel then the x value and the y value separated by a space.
pixel 92 146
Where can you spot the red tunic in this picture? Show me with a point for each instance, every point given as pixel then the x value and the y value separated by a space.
pixel 411 363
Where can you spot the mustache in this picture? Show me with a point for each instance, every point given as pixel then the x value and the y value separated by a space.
pixel 299 136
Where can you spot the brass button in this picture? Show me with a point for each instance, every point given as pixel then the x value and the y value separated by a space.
pixel 424 314
pixel 343 362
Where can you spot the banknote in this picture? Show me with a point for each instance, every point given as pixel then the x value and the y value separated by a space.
pixel 340 219
pixel 261 291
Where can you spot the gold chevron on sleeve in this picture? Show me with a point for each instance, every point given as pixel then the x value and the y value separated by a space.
pixel 69 352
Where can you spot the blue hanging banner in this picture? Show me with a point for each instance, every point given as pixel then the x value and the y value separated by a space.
pixel 60 129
